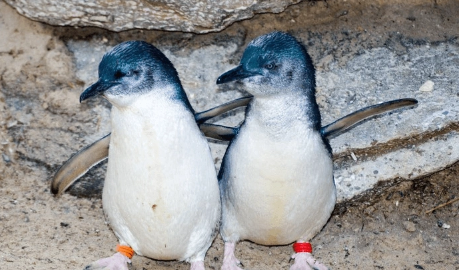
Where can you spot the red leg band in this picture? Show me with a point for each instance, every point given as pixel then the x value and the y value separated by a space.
pixel 125 250
pixel 302 247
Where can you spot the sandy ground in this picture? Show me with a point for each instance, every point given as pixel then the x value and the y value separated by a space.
pixel 41 124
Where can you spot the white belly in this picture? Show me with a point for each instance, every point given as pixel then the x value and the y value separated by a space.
pixel 161 194
pixel 278 190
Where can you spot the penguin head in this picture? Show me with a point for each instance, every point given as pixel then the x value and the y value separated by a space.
pixel 273 63
pixel 131 69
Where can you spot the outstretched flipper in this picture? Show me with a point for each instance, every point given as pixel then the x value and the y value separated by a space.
pixel 93 154
pixel 219 132
pixel 346 122
pixel 219 110
pixel 79 164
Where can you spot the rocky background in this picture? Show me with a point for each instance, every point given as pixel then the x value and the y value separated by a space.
pixel 389 170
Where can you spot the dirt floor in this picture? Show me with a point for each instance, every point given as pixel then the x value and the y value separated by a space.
pixel 42 123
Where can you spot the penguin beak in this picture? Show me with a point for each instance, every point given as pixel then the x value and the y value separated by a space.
pixel 96 89
pixel 237 73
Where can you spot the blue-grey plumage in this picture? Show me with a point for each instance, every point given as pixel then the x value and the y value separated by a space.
pixel 276 177
pixel 129 69
pixel 160 194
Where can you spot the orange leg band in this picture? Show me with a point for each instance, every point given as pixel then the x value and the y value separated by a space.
pixel 125 250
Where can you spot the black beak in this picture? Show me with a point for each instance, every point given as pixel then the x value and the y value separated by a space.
pixel 237 73
pixel 95 89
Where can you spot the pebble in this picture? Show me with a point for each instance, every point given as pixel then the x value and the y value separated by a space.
pixel 11 124
pixel 409 226
pixel 354 156
pixel 6 158
pixel 440 223
pixel 445 226
pixel 428 86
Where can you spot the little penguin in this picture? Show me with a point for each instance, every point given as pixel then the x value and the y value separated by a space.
pixel 161 195
pixel 276 180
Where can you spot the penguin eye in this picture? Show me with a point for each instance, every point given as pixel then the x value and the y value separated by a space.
pixel 132 72
pixel 269 66
pixel 119 74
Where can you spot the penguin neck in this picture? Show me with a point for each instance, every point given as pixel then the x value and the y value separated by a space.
pixel 143 100
pixel 285 109
pixel 150 108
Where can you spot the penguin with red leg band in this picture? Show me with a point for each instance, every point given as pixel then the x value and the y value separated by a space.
pixel 276 178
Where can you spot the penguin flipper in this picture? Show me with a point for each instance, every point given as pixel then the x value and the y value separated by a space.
pixel 201 117
pixel 346 122
pixel 218 132
pixel 79 164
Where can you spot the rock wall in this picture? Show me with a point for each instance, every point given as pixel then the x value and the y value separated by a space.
pixel 187 16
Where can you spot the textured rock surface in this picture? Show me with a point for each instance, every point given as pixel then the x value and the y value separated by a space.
pixel 188 16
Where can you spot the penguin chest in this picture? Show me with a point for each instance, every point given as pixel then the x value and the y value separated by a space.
pixel 282 188
pixel 160 194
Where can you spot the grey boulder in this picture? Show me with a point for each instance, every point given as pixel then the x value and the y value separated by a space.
pixel 187 16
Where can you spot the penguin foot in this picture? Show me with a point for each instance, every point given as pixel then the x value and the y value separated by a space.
pixel 198 265
pixel 117 262
pixel 230 261
pixel 305 261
